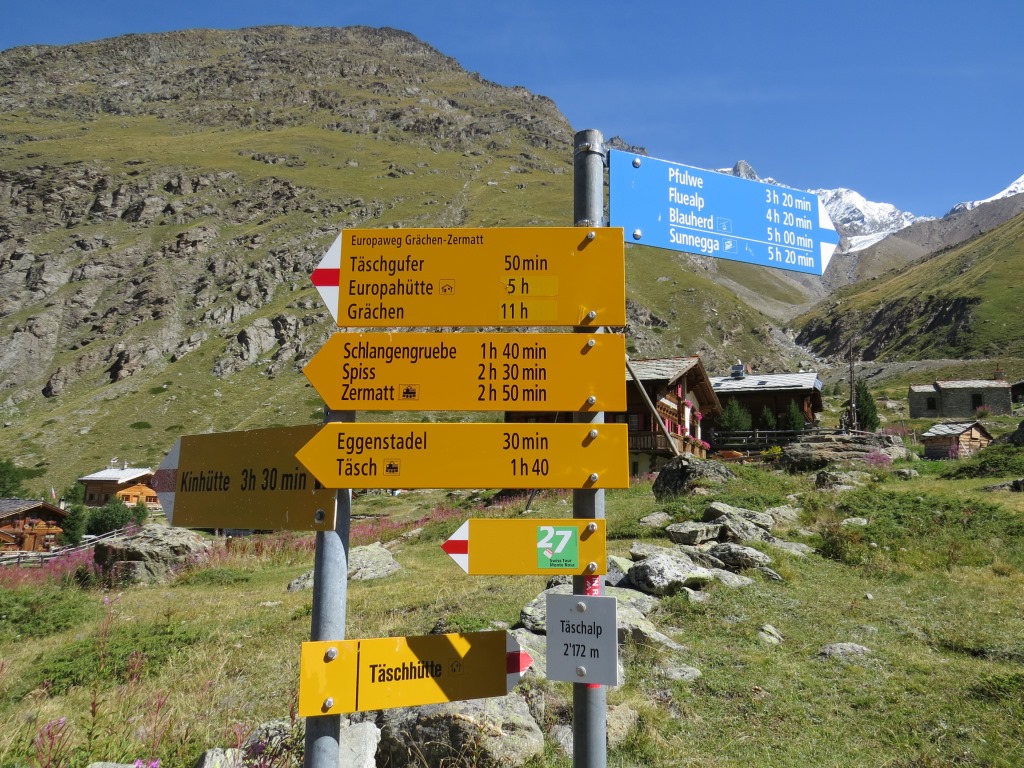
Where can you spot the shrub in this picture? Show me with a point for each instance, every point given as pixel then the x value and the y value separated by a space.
pixel 767 419
pixel 111 516
pixel 1000 460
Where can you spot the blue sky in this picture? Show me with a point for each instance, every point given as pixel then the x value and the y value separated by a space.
pixel 915 104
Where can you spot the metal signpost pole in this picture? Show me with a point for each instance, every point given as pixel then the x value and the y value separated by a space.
pixel 589 700
pixel 330 593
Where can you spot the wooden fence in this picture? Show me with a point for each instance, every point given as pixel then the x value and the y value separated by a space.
pixel 38 558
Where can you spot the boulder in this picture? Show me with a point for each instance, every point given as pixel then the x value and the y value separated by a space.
pixel 665 575
pixel 151 554
pixel 819 450
pixel 684 473
pixel 219 758
pixel 784 514
pixel 533 616
pixel 373 561
pixel 656 520
pixel 736 556
pixel 494 732
pixel 735 528
pixel 769 635
pixel 716 510
pixel 692 532
pixel 827 480
pixel 699 556
pixel 1014 438
pixel 843 651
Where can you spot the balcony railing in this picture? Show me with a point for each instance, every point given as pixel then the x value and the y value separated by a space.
pixel 656 442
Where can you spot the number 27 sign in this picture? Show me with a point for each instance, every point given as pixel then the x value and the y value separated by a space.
pixel 550 547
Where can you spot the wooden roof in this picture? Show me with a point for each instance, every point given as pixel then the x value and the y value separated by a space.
pixel 954 428
pixel 9 507
pixel 670 369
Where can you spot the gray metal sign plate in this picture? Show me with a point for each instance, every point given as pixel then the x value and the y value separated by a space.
pixel 582 639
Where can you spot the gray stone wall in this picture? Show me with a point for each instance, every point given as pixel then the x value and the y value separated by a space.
pixel 959 403
pixel 964 402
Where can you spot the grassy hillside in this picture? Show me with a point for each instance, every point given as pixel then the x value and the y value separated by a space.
pixel 962 303
pixel 931 587
pixel 164 199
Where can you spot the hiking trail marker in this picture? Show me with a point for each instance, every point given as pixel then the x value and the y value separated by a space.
pixel 688 209
pixel 248 480
pixel 472 455
pixel 503 547
pixel 383 673
pixel 501 276
pixel 471 372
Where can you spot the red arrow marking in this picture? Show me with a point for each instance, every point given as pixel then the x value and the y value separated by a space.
pixel 517 662
pixel 164 480
pixel 456 546
pixel 325 278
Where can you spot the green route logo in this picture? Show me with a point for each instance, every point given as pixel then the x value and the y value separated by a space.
pixel 558 546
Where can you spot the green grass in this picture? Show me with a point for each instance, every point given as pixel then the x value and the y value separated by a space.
pixel 936 600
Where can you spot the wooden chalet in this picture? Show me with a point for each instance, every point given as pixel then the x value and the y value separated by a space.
pixel 953 440
pixel 680 391
pixel 775 391
pixel 27 525
pixel 130 484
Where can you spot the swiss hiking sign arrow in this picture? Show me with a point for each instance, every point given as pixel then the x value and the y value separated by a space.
pixel 500 547
pixel 688 209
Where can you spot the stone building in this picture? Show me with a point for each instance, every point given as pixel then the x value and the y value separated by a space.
pixel 959 399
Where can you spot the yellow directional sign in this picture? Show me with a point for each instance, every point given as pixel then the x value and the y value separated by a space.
pixel 381 673
pixel 244 480
pixel 501 547
pixel 471 371
pixel 367 455
pixel 501 276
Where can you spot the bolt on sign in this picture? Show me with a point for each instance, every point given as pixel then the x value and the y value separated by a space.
pixel 244 480
pixel 337 676
pixel 501 276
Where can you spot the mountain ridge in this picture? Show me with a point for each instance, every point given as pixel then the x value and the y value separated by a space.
pixel 164 199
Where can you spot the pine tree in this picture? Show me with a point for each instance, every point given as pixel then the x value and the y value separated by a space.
pixel 767 419
pixel 735 418
pixel 73 526
pixel 867 412
pixel 794 417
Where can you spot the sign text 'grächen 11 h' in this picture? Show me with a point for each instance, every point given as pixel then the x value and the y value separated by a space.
pixel 501 276
pixel 688 209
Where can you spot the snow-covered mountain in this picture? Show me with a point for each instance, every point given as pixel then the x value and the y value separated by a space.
pixel 859 221
pixel 1016 188
pixel 862 222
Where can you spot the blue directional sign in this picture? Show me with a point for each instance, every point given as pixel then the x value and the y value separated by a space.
pixel 681 208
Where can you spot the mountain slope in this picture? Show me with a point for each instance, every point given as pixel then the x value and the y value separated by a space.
pixel 164 199
pixel 961 303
